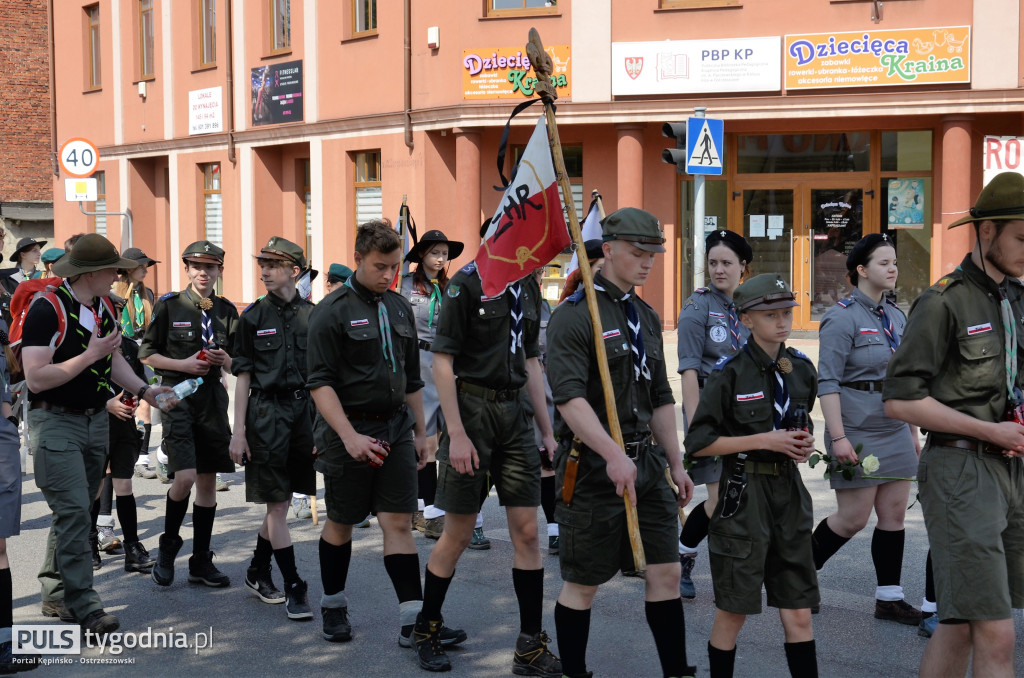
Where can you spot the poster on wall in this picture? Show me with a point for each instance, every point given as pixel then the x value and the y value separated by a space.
pixel 906 203
pixel 204 111
pixel 504 73
pixel 277 93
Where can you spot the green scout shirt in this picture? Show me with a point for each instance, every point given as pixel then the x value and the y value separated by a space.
pixel 270 343
pixel 572 361
pixel 952 349
pixel 345 349
pixel 738 397
pixel 176 331
pixel 476 331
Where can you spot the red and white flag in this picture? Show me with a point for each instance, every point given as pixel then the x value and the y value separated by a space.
pixel 528 229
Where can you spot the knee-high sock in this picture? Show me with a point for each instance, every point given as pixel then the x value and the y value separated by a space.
pixel 106 495
pixel 262 553
pixel 174 515
pixel 547 498
pixel 802 659
pixel 573 630
pixel 427 477
pixel 529 586
pixel 434 591
pixel 722 661
pixel 665 617
pixel 404 570
pixel 6 599
pixel 334 562
pixel 887 555
pixel 286 562
pixel 695 528
pixel 128 516
pixel 202 527
pixel 825 543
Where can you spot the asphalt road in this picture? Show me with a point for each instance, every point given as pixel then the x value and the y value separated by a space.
pixel 244 636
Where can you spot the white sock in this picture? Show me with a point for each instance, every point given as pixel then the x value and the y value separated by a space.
pixel 552 529
pixel 420 505
pixel 296 495
pixel 143 460
pixel 687 550
pixel 479 521
pixel 928 605
pixel 161 457
pixel 104 520
pixel 889 593
pixel 431 512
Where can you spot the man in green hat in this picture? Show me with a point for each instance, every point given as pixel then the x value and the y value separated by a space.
pixel 189 336
pixel 273 432
pixel 957 375
pixel 593 470
pixel 70 357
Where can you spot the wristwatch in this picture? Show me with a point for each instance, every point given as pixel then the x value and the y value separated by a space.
pixel 142 391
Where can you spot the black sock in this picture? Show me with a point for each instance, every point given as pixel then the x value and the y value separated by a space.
pixel 802 659
pixel 286 561
pixel 929 580
pixel 434 591
pixel 529 586
pixel 695 528
pixel 106 495
pixel 147 429
pixel 547 498
pixel 175 515
pixel 572 628
pixel 128 516
pixel 261 555
pixel 94 513
pixel 334 561
pixel 722 661
pixel 887 555
pixel 404 570
pixel 202 527
pixel 665 617
pixel 6 599
pixel 427 477
pixel 825 543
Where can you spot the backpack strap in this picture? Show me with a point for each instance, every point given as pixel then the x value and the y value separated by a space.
pixel 62 318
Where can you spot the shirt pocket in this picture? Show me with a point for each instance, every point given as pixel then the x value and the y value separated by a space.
pixel 752 415
pixel 490 325
pixel 870 350
pixel 181 342
pixel 362 344
pixel 617 348
pixel 981 362
pixel 403 334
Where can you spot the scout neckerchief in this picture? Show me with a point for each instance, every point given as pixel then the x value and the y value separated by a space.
pixel 73 311
pixel 387 344
pixel 890 332
pixel 636 338
pixel 780 391
pixel 517 316
pixel 204 304
pixel 734 327
pixel 435 302
pixel 1009 342
pixel 133 323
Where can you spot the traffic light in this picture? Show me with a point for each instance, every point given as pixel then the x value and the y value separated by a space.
pixel 675 156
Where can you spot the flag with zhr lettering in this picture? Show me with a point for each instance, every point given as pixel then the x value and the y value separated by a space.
pixel 528 229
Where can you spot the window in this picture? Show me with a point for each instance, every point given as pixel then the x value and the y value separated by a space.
pixel 365 15
pixel 212 204
pixel 698 4
pixel 774 153
pixel 207 33
pixel 514 7
pixel 99 221
pixel 308 208
pixel 146 38
pixel 92 18
pixel 280 25
pixel 573 156
pixel 369 199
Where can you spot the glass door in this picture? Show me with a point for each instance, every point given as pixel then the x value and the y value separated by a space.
pixel 768 222
pixel 836 222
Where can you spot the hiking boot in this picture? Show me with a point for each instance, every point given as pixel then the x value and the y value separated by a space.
pixel 201 570
pixel 429 651
pixel 898 611
pixel 553 545
pixel 100 623
pixel 222 485
pixel 686 587
pixel 11 664
pixel 57 608
pixel 301 507
pixel 297 605
pixel 143 471
pixel 418 521
pixel 533 658
pixel 162 472
pixel 94 544
pixel 928 625
pixel 163 571
pixel 449 637
pixel 107 541
pixel 479 542
pixel 335 627
pixel 432 529
pixel 262 585
pixel 137 558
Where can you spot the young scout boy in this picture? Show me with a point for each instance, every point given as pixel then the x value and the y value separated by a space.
pixel 485 352
pixel 595 541
pixel 189 337
pixel 364 374
pixel 761 530
pixel 273 432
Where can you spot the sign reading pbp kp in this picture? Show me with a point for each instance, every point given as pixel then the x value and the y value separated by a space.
pixel 79 157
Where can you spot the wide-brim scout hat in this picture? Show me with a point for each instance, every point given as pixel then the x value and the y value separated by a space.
pixel 764 292
pixel 860 253
pixel 279 249
pixel 338 273
pixel 637 227
pixel 203 251
pixel 594 249
pixel 138 255
pixel 1001 200
pixel 734 241
pixel 53 254
pixel 91 253
pixel 429 239
pixel 24 244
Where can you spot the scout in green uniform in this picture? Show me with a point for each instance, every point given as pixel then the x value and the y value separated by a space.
pixel 957 375
pixel 70 355
pixel 594 538
pixel 276 439
pixel 189 336
pixel 760 533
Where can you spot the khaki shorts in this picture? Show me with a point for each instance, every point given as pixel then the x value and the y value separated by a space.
pixel 279 432
pixel 973 507
pixel 503 436
pixel 768 541
pixel 593 537
pixel 197 433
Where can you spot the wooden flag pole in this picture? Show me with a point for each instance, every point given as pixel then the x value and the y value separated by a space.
pixel 541 63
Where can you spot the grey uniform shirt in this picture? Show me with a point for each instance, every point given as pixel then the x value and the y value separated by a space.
pixel 703 331
pixel 426 327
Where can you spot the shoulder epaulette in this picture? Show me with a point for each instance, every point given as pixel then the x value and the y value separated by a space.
pixel 576 296
pixel 246 309
pixel 702 290
pixel 468 268
pixel 944 283
pixel 723 361
pixel 798 354
pixel 169 295
pixel 847 302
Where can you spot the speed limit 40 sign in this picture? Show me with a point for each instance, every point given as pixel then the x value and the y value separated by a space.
pixel 79 157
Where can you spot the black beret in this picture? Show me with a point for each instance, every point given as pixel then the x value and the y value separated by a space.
pixel 732 240
pixel 865 246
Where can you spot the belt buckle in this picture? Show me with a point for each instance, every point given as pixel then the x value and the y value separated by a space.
pixel 297 394
pixel 503 396
pixel 632 450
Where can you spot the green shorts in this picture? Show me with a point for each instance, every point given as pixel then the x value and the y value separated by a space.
pixel 354 489
pixel 197 433
pixel 973 506
pixel 768 541
pixel 503 436
pixel 279 432
pixel 593 537
pixel 124 447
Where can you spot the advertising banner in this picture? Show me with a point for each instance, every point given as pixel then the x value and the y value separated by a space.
pixel 204 111
pixel 504 73
pixel 277 93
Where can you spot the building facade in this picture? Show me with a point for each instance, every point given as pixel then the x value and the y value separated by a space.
pixel 235 120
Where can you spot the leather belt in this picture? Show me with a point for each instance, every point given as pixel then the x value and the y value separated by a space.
pixel 965 444
pixel 58 409
pixel 634 449
pixel 299 394
pixel 424 345
pixel 768 468
pixel 869 386
pixel 359 415
pixel 494 395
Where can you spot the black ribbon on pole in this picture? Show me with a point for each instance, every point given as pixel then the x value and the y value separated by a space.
pixel 502 146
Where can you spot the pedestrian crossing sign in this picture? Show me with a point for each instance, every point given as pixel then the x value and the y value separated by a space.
pixel 705 145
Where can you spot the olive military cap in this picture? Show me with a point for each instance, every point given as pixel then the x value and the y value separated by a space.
pixel 636 226
pixel 203 251
pixel 283 250
pixel 763 292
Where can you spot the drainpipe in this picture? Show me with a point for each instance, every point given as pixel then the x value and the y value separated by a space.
pixel 231 85
pixel 407 6
pixel 53 91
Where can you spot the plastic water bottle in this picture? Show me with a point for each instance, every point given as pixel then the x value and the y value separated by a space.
pixel 166 401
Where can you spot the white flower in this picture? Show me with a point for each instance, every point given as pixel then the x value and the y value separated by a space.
pixel 870 464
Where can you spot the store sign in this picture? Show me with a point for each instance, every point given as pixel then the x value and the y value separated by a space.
pixel 504 73
pixel 277 93
pixel 910 56
pixel 1002 154
pixel 205 111
pixel 696 66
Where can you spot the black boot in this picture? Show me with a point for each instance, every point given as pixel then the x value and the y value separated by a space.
pixel 201 570
pixel 94 543
pixel 163 571
pixel 136 557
